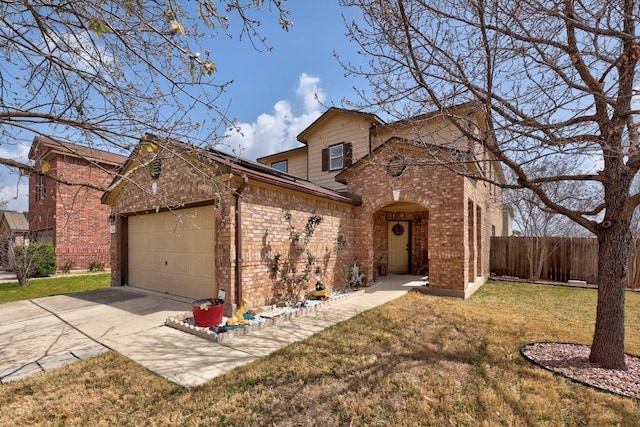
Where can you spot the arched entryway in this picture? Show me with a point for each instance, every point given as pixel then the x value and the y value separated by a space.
pixel 401 239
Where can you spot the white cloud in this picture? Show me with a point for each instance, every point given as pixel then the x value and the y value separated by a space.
pixel 18 152
pixel 15 192
pixel 310 91
pixel 79 50
pixel 592 163
pixel 17 196
pixel 276 131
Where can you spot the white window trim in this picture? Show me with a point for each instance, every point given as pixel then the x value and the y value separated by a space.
pixel 286 165
pixel 332 157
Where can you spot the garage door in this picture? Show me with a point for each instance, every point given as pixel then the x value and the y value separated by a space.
pixel 173 252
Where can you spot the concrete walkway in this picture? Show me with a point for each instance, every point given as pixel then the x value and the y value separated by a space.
pixel 7 276
pixel 46 333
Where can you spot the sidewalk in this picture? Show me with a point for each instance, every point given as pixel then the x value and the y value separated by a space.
pixel 7 276
pixel 48 332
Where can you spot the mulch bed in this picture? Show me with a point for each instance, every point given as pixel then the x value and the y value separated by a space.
pixel 572 361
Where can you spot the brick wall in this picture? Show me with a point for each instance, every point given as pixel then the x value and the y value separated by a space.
pixel 72 217
pixel 450 221
pixel 439 197
pixel 264 230
pixel 265 233
pixel 487 212
pixel 42 211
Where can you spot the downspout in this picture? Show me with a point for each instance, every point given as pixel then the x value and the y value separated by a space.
pixel 238 194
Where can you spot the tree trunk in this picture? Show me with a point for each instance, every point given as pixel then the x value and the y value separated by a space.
pixel 607 349
pixel 532 251
pixel 542 257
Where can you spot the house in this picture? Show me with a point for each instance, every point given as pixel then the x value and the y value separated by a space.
pixel 193 221
pixel 14 230
pixel 63 211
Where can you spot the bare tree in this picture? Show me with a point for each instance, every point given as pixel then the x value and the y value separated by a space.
pixel 3 201
pixel 537 224
pixel 102 73
pixel 555 80
pixel 534 218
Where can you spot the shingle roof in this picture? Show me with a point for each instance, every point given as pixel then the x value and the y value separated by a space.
pixel 266 174
pixel 17 221
pixel 75 150
pixel 252 170
pixel 302 137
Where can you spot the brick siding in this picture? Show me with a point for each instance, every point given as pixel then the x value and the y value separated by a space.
pixel 439 214
pixel 264 230
pixel 441 197
pixel 72 216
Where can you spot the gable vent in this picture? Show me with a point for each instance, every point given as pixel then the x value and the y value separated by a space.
pixel 396 167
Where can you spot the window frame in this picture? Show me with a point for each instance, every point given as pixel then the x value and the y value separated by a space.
pixel 41 187
pixel 347 157
pixel 286 165
pixel 337 157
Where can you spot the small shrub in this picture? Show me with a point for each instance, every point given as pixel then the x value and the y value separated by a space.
pixel 96 266
pixel 45 258
pixel 34 260
pixel 356 279
pixel 67 266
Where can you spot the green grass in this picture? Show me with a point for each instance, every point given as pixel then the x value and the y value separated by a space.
pixel 415 361
pixel 45 287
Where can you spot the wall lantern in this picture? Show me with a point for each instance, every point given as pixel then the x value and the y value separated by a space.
pixel 112 223
pixel 396 195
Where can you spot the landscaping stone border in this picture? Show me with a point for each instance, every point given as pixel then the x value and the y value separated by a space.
pixel 263 320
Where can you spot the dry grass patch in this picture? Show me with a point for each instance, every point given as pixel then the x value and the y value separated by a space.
pixel 416 361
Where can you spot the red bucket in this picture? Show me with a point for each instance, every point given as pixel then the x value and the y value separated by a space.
pixel 211 316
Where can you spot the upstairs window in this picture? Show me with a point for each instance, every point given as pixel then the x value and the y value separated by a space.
pixel 281 166
pixel 336 157
pixel 41 187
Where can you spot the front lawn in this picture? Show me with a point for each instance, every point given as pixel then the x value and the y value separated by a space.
pixel 45 287
pixel 416 361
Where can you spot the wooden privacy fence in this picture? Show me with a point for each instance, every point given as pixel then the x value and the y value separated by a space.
pixel 557 259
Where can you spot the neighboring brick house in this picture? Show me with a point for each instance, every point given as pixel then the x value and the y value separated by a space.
pixel 193 221
pixel 71 217
pixel 14 230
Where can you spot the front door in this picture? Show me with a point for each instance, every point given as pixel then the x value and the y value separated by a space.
pixel 398 232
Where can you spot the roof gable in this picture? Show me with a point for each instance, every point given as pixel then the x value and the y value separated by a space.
pixel 330 114
pixel 16 221
pixel 435 151
pixel 43 146
pixel 228 164
pixel 294 151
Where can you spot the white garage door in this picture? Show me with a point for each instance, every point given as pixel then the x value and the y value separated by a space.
pixel 173 252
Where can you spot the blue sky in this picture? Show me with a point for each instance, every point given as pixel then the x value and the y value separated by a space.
pixel 273 94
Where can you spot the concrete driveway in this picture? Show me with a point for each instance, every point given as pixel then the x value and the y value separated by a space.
pixel 46 333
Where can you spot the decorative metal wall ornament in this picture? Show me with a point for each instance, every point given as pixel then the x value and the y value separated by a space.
pixel 398 229
pixel 155 167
